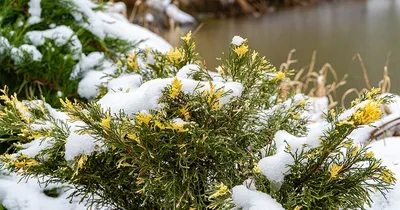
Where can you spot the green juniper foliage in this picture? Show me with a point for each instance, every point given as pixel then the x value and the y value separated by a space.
pixel 172 157
pixel 29 75
pixel 2 207
pixel 337 174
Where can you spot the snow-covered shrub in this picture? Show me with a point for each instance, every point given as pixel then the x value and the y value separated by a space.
pixel 47 46
pixel 324 170
pixel 64 48
pixel 161 136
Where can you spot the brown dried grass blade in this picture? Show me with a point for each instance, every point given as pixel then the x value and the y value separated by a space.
pixel 352 90
pixel 285 66
pixel 365 74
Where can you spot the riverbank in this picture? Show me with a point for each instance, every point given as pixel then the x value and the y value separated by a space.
pixel 229 8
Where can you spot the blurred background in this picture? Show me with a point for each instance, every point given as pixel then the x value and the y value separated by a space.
pixel 321 31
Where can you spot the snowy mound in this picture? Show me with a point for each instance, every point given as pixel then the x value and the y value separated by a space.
pixel 388 150
pixel 29 195
pixel 146 97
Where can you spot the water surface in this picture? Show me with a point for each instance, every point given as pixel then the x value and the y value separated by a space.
pixel 336 30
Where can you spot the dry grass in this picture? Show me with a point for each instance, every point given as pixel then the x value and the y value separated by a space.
pixel 313 82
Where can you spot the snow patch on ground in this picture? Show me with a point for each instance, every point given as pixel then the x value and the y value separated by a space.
pixel 17 194
pixel 388 150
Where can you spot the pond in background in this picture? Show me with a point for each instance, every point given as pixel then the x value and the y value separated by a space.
pixel 337 31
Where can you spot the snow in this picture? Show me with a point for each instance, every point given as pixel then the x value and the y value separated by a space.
pixel 145 98
pixel 4 45
pixel 178 15
pixel 388 150
pixel 253 200
pixel 150 59
pixel 125 83
pixel 104 24
pixel 59 94
pixel 274 167
pixel 32 51
pixel 88 62
pixel 187 70
pixel 394 107
pixel 78 144
pixel 171 10
pixel 35 10
pixel 61 36
pixel 29 195
pixel 117 7
pixel 149 17
pixel 363 133
pixel 158 4
pixel 129 93
pixel 33 148
pixel 319 108
pixel 93 69
pixel 237 40
pixel 87 87
pixel 56 114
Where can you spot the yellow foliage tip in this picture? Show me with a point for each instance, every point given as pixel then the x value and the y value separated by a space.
pixel 24 161
pixel 371 112
pixel 67 104
pixel 176 87
pixel 106 122
pixel 280 75
pixel 369 154
pixel 222 190
pixel 134 137
pixel 132 62
pixel 184 112
pixel 298 207
pixel 242 50
pixel 373 92
pixel 388 176
pixel 4 97
pixel 334 171
pixel 175 55
pixel 188 37
pixel 178 127
pixel 256 169
pixel 143 118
